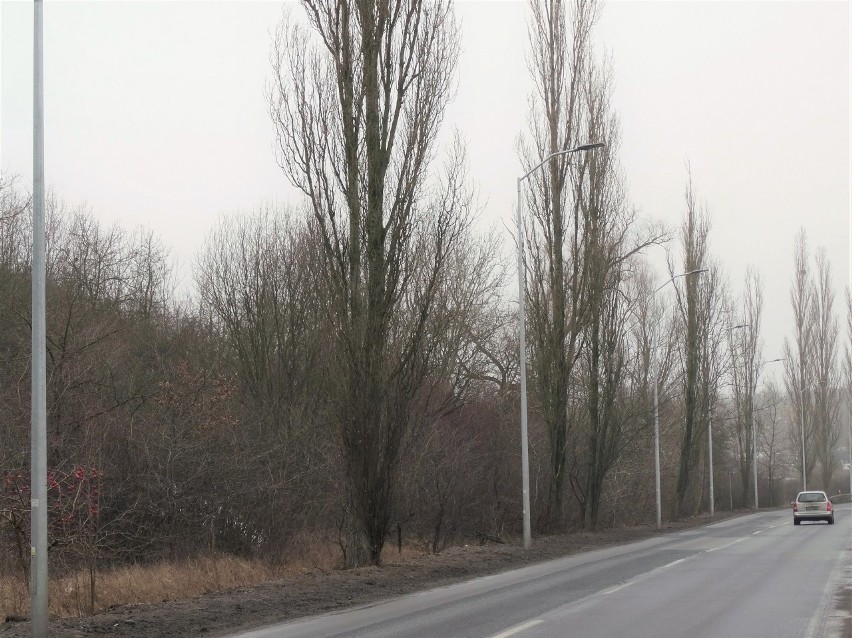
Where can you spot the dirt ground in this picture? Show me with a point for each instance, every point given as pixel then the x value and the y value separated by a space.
pixel 317 591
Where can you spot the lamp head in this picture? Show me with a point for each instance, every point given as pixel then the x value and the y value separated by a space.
pixel 589 147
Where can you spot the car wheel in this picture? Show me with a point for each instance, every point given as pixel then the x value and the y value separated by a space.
pixel 796 521
pixel 831 521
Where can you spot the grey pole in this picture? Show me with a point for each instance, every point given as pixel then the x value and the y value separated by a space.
pixel 525 463
pixel 730 489
pixel 656 403
pixel 754 440
pixel 754 458
pixel 38 458
pixel 656 435
pixel 753 447
pixel 710 463
pixel 802 415
pixel 709 425
pixel 850 450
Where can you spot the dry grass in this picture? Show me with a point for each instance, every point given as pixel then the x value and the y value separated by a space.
pixel 14 597
pixel 69 595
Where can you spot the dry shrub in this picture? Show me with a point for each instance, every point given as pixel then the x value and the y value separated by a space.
pixel 391 554
pixel 312 551
pixel 165 581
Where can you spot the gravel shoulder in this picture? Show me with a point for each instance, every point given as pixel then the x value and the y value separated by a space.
pixel 317 591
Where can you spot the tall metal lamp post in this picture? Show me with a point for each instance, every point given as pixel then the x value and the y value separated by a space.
pixel 525 465
pixel 710 451
pixel 38 400
pixel 710 447
pixel 656 404
pixel 754 444
pixel 802 419
pixel 850 451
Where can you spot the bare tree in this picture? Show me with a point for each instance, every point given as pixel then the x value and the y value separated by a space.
pixel 559 57
pixel 768 424
pixel 257 277
pixel 826 379
pixel 694 234
pixel 357 100
pixel 714 365
pixel 746 364
pixel 613 240
pixel 798 356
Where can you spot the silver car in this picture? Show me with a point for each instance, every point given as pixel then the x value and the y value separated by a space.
pixel 812 506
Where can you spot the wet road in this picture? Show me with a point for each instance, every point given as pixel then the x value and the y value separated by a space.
pixel 758 575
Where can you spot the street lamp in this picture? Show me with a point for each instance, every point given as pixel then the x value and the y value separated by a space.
pixel 754 441
pixel 710 439
pixel 850 451
pixel 730 489
pixel 656 402
pixel 802 419
pixel 38 398
pixel 525 465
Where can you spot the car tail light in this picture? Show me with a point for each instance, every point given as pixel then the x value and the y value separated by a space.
pixel 828 506
pixel 795 506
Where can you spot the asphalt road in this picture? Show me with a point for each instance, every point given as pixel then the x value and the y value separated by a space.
pixel 758 575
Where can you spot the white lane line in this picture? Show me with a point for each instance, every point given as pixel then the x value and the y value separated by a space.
pixel 612 590
pixel 757 532
pixel 518 629
pixel 739 540
pixel 639 577
pixel 667 565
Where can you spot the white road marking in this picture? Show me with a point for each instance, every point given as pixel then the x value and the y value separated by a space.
pixel 638 578
pixel 667 565
pixel 739 540
pixel 518 629
pixel 757 532
pixel 612 590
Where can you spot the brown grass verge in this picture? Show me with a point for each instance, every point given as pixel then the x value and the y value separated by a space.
pixel 69 595
pixel 159 582
pixel 164 581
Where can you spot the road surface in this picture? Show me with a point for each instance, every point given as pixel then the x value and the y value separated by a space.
pixel 757 575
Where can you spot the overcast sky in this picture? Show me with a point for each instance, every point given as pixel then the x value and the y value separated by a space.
pixel 155 115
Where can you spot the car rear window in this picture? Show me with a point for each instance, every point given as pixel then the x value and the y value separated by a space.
pixel 811 497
